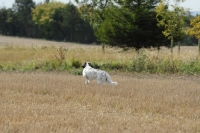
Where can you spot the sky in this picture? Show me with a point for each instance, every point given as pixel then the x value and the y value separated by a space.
pixel 193 5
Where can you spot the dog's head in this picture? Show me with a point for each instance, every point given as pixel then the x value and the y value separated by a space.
pixel 87 64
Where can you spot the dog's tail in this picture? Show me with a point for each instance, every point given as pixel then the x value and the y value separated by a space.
pixel 110 80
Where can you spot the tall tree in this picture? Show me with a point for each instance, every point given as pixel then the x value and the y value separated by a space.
pixel 48 16
pixel 47 1
pixel 76 29
pixel 3 18
pixel 23 9
pixel 171 20
pixel 60 21
pixel 8 23
pixel 195 29
pixel 93 11
pixel 124 23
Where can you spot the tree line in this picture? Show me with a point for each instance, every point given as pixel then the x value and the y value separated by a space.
pixel 122 23
pixel 48 20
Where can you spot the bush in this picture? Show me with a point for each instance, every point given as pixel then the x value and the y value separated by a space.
pixel 76 63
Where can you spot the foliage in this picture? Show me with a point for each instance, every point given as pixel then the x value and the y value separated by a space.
pixel 134 28
pixel 75 27
pixel 76 63
pixel 171 20
pixel 43 16
pixel 3 18
pixel 22 9
pixel 13 19
pixel 91 20
pixel 93 10
pixel 123 23
pixel 195 29
pixel 62 21
pixel 49 20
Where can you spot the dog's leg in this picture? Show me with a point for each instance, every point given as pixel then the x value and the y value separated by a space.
pixel 100 80
pixel 86 80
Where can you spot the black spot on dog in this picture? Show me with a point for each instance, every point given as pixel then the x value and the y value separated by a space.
pixel 90 64
pixel 84 65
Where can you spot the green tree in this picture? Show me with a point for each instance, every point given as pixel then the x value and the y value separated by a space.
pixel 8 22
pixel 60 21
pixel 11 23
pixel 195 29
pixel 93 11
pixel 71 18
pixel 74 27
pixel 48 16
pixel 125 23
pixel 47 1
pixel 23 9
pixel 3 18
pixel 172 21
pixel 134 28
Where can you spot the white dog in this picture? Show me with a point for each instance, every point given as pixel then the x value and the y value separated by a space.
pixel 102 77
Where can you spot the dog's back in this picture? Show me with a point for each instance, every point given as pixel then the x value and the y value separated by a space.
pixel 103 77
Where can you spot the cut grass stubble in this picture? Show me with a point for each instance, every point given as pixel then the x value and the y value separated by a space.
pixel 56 102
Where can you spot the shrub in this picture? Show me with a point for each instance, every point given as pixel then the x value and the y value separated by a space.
pixel 141 63
pixel 76 63
pixel 60 56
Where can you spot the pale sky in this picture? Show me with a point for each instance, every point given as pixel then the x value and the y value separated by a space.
pixel 193 5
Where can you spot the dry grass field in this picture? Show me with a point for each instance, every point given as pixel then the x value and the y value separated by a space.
pixel 21 50
pixel 25 50
pixel 56 102
pixel 46 102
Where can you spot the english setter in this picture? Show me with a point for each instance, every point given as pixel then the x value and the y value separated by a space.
pixel 90 73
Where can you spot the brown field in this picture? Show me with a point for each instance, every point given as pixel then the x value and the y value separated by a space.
pixel 21 50
pixel 16 50
pixel 45 102
pixel 27 42
pixel 57 102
